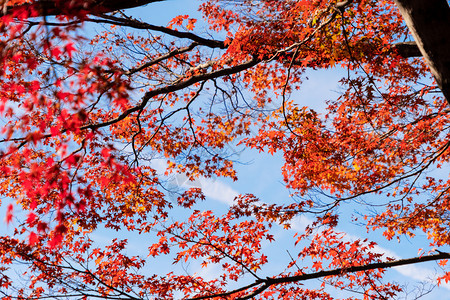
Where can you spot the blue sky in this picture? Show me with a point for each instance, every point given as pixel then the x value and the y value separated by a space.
pixel 260 174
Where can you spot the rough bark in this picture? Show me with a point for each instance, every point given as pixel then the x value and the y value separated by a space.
pixel 429 23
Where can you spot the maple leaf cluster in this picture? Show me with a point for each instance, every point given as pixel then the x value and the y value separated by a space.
pixel 86 120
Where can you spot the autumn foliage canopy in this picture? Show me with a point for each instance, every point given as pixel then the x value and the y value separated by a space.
pixel 91 97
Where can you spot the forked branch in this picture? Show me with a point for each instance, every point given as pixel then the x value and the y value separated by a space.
pixel 263 284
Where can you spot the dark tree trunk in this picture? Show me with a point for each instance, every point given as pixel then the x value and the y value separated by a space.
pixel 429 23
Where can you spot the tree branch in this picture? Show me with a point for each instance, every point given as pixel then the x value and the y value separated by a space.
pixel 268 282
pixel 133 23
pixel 55 7
pixel 407 49
pixel 176 87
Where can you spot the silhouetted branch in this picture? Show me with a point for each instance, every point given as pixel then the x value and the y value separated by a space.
pixel 407 49
pixel 268 282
